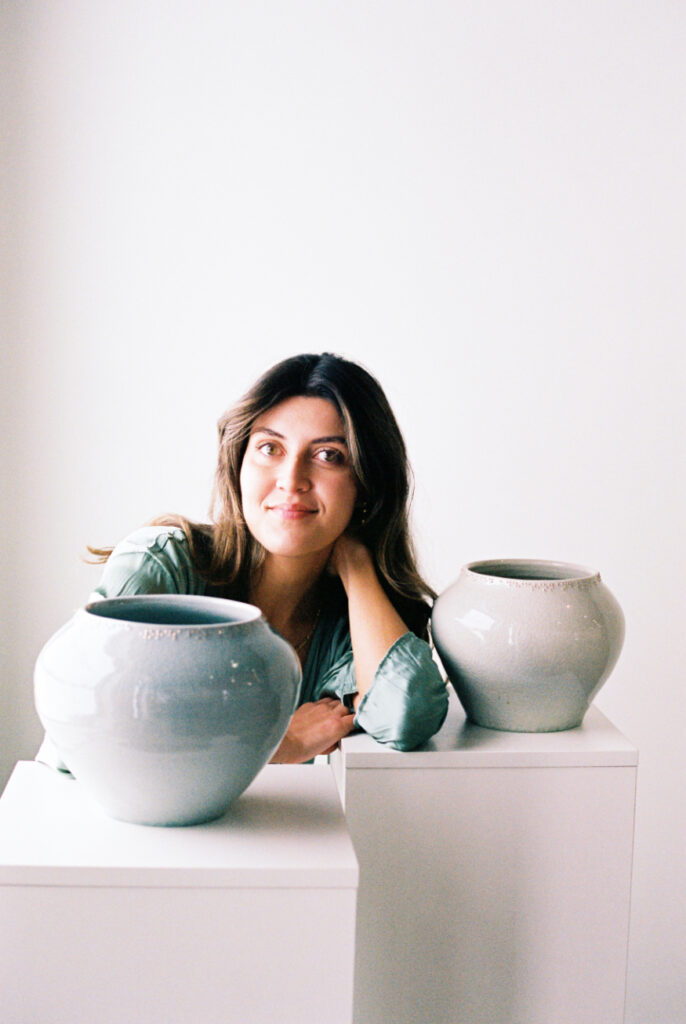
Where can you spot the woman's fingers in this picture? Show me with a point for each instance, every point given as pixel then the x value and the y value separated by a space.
pixel 315 728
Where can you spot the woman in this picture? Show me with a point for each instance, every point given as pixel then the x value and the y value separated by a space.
pixel 310 523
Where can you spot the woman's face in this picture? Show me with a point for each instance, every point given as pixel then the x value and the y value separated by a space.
pixel 297 485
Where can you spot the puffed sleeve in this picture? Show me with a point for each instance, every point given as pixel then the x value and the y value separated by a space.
pixel 153 560
pixel 407 701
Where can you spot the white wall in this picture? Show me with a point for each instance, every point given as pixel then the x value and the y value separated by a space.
pixel 483 202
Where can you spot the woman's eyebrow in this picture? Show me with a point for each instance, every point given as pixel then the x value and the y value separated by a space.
pixel 266 430
pixel 315 440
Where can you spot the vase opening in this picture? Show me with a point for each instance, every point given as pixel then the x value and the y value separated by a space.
pixel 522 569
pixel 174 610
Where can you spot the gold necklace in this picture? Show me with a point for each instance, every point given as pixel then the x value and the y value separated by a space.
pixel 306 639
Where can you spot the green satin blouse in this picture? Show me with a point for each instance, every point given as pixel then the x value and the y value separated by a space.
pixel 407 701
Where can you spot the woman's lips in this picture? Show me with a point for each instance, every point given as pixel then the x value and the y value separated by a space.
pixel 292 511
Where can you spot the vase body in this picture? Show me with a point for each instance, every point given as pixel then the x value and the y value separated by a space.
pixel 527 644
pixel 165 707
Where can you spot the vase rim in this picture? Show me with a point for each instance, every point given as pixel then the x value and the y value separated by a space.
pixel 165 611
pixel 532 571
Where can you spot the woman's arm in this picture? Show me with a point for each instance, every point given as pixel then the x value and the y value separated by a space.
pixel 400 697
pixel 374 623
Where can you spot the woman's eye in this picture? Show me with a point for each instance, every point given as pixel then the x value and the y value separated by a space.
pixel 267 448
pixel 330 455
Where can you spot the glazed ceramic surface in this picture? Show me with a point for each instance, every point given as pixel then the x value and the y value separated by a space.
pixel 527 644
pixel 166 707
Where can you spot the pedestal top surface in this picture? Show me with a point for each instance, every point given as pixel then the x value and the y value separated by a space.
pixel 286 830
pixel 459 744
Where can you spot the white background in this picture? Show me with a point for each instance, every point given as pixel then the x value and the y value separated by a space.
pixel 482 202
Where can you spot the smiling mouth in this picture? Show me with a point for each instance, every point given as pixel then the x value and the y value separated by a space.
pixel 292 511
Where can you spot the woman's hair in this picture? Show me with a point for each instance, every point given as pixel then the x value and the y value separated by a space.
pixel 225 552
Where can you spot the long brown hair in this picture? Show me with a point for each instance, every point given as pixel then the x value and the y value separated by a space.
pixel 225 552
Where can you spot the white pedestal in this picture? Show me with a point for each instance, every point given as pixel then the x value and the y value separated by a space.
pixel 495 874
pixel 246 920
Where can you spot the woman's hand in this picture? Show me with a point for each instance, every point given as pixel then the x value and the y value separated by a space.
pixel 348 556
pixel 374 623
pixel 315 728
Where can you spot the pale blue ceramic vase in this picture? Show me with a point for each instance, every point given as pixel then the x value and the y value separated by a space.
pixel 165 707
pixel 527 644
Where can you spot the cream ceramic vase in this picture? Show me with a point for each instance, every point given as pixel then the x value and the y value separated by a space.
pixel 527 644
pixel 165 707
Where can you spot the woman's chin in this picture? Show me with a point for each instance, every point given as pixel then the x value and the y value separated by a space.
pixel 318 551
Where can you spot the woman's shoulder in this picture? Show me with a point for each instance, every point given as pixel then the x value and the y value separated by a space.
pixel 151 560
pixel 154 540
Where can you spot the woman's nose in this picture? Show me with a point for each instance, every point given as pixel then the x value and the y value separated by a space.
pixel 293 476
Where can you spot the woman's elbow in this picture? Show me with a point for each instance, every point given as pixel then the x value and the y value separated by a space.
pixel 417 717
pixel 422 723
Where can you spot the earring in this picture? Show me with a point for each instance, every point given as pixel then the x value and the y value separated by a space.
pixel 363 514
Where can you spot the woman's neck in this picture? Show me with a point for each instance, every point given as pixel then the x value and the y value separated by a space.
pixel 287 591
